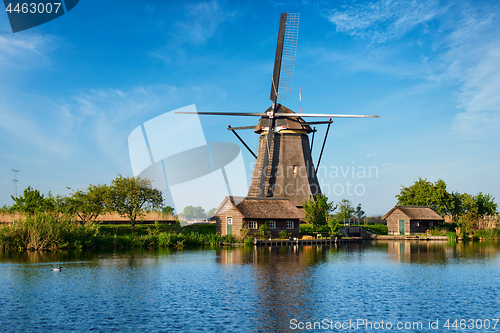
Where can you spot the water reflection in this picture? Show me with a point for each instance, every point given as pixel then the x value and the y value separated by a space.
pixel 280 279
pixel 248 289
pixel 439 252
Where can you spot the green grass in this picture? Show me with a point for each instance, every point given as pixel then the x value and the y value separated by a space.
pixel 378 229
pixel 140 229
pixel 488 234
pixel 146 229
pixel 44 232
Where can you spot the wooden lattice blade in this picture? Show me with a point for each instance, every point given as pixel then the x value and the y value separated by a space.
pixel 300 115
pixel 226 113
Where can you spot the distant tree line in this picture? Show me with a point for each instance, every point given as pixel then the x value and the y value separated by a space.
pixel 131 197
pixel 197 213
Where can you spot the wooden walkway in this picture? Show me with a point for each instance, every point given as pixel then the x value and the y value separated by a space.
pixel 302 242
pixel 410 237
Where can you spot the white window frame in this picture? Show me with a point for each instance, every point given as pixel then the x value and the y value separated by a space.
pixel 288 223
pixel 272 224
pixel 252 225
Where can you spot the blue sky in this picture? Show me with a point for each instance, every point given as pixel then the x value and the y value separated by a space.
pixel 73 89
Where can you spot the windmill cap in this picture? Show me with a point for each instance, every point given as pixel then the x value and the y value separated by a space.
pixel 294 123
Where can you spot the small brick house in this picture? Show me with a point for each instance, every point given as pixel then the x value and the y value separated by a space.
pixel 234 213
pixel 405 220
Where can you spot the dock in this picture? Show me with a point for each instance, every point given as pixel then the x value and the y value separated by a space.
pixel 302 242
pixel 410 237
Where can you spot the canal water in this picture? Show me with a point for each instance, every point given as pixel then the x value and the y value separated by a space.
pixel 368 287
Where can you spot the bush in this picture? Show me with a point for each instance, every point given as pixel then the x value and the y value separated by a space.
pixel 452 236
pixel 264 230
pixel 284 235
pixel 43 231
pixel 306 229
pixel 438 232
pixel 488 234
pixel 248 242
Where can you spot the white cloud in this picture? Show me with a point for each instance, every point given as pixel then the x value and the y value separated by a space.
pixel 385 20
pixel 24 51
pixel 109 115
pixel 202 21
pixel 480 91
pixel 24 131
pixel 474 60
pixel 465 53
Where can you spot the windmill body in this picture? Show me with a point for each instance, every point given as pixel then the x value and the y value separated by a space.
pixel 289 170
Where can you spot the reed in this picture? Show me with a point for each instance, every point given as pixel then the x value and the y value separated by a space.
pixel 46 232
pixel 488 234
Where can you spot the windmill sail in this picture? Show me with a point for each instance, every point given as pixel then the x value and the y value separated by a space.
pixel 288 55
pixel 284 61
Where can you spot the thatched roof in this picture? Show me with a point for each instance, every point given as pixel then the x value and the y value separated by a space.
pixel 263 208
pixel 289 123
pixel 416 213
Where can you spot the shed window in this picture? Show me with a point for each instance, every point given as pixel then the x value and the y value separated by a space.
pixel 289 224
pixel 417 224
pixel 431 224
pixel 272 224
pixel 252 225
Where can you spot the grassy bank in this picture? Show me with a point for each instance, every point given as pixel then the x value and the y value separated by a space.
pixel 46 232
pixel 377 229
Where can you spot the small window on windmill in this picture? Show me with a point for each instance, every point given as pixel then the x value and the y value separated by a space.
pixel 295 169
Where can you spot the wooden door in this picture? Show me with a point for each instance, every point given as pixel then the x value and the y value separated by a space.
pixel 229 225
pixel 401 227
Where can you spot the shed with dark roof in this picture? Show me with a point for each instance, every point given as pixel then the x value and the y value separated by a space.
pixel 236 213
pixel 405 220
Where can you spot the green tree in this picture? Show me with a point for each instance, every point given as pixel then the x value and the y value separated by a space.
pixel 57 205
pixel 359 213
pixel 264 230
pixel 211 212
pixel 132 197
pixel 30 202
pixel 317 212
pixel 424 193
pixel 467 223
pixel 485 204
pixel 462 203
pixel 88 205
pixel 5 209
pixel 191 212
pixel 167 210
pixel 334 225
pixel 345 210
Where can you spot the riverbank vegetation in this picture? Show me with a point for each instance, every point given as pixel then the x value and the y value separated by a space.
pixel 466 216
pixel 46 232
pixel 55 222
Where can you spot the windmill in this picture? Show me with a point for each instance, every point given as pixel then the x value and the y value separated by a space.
pixel 284 165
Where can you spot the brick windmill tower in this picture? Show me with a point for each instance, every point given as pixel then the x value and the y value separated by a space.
pixel 284 167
